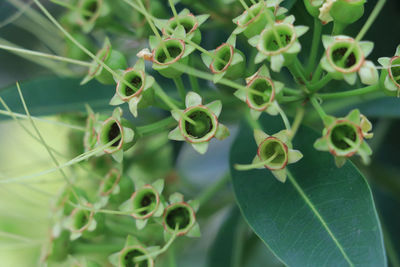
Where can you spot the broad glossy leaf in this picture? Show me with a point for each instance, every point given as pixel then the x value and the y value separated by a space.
pixel 53 95
pixel 324 216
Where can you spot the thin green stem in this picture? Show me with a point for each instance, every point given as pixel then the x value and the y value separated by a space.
pixel 45 55
pixel 194 83
pixel 114 212
pixel 315 45
pixel 181 88
pixel 318 108
pixel 320 84
pixel 297 122
pixel 80 46
pixel 167 100
pixel 246 167
pixel 245 6
pixel 255 124
pixel 72 7
pixel 171 4
pixel 355 92
pixel 213 189
pixel 338 28
pixel 283 116
pixel 156 127
pixel 22 116
pixel 317 74
pixel 53 158
pixel 297 74
pixel 162 250
pixel 201 49
pixel 374 14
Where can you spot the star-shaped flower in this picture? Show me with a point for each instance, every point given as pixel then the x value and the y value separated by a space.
pixel 261 93
pixel 344 137
pixel 390 76
pixel 339 67
pixel 278 43
pixel 198 123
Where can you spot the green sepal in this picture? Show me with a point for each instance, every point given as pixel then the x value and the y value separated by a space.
pixel 260 136
pixel 215 107
pixel 354 116
pixel 340 161
pixel 200 147
pixel 175 198
pixel 280 175
pixel 222 132
pixel 194 231
pixel 176 135
pixel 192 99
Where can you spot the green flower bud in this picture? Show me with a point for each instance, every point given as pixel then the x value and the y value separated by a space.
pixel 334 61
pixel 344 137
pixel 80 221
pixel 198 123
pixel 390 75
pixel 112 58
pixel 280 52
pixel 90 136
pixel 347 11
pixel 313 7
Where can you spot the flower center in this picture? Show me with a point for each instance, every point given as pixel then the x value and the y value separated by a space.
pixel 203 126
pixel 264 87
pixel 129 258
pixel 81 219
pixel 274 150
pixel 113 133
pixel 224 54
pixel 145 201
pixel 174 48
pixel 341 134
pixel 178 216
pixel 396 70
pixel 270 41
pixel 339 52
pixel 91 8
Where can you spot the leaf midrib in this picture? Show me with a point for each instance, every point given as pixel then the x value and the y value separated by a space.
pixel 318 215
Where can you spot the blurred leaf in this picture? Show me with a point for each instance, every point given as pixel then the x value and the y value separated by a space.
pixel 288 3
pixel 294 221
pixel 53 95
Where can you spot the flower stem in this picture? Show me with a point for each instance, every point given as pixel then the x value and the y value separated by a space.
pixel 246 167
pixel 355 92
pixel 321 83
pixel 374 14
pixel 245 6
pixel 338 28
pixel 181 88
pixel 297 122
pixel 194 83
pixel 315 45
pixel 283 116
pixel 45 55
pixel 72 7
pixel 318 108
pixel 156 127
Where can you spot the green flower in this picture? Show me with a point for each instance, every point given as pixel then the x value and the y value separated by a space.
pixel 203 126
pixel 180 218
pixel 81 221
pixel 132 249
pixel 190 23
pixel 390 76
pixel 344 137
pixel 145 202
pixel 231 62
pixel 346 68
pixel 141 93
pixel 90 136
pixel 112 58
pixel 279 51
pixel 254 23
pixel 57 247
pixel 168 52
pixel 275 153
pixel 261 94
pixel 113 127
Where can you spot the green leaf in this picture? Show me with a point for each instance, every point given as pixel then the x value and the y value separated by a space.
pixel 53 95
pixel 321 216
